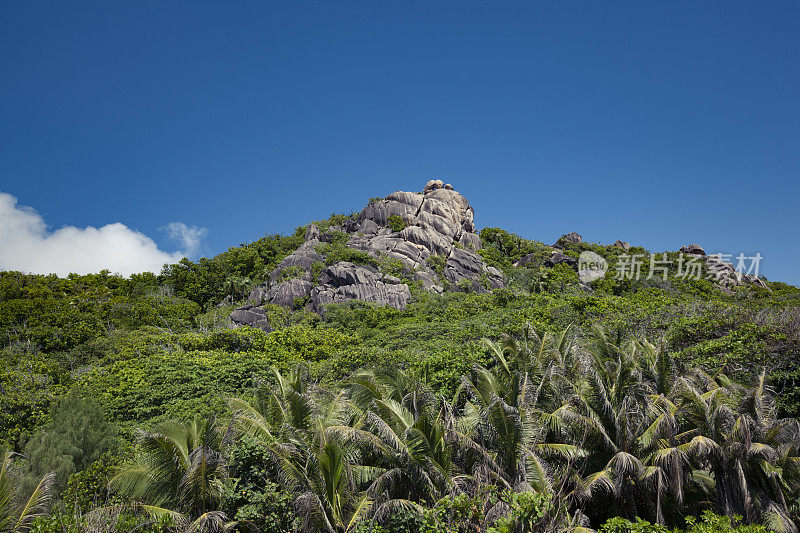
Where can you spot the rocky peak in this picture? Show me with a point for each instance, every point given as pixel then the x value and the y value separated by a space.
pixel 431 233
pixel 694 249
pixel 569 238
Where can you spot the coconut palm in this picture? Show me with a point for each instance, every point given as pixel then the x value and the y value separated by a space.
pixel 629 430
pixel 404 453
pixel 18 516
pixel 750 452
pixel 289 412
pixel 326 483
pixel 504 410
pixel 179 472
pixel 289 415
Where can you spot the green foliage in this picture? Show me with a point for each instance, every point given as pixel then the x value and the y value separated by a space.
pixel 90 488
pixel 336 252
pixel 396 223
pixel 437 264
pixel 453 514
pixel 200 370
pixel 336 219
pixel 177 467
pixel 714 523
pixel 18 514
pixel 251 498
pixel 709 523
pixel 621 525
pixel 77 435
pixel 203 281
pixel 155 348
pixel 501 249
pixel 528 511
pixel 561 278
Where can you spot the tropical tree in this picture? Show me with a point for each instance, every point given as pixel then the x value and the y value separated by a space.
pixel 178 473
pixel 751 454
pixel 629 431
pixel 15 515
pixel 288 415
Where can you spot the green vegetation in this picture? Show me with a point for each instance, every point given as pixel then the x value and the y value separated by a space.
pixel 396 223
pixel 139 408
pixel 335 252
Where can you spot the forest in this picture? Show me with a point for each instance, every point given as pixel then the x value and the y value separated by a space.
pixel 130 404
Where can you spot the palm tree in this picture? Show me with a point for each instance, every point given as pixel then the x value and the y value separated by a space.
pixel 750 452
pixel 628 428
pixel 504 409
pixel 288 410
pixel 178 473
pixel 16 516
pixel 236 287
pixel 326 482
pixel 289 415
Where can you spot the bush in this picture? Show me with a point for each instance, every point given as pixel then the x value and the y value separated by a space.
pixel 89 488
pixel 396 223
pixel 621 525
pixel 437 264
pixel 252 497
pixel 77 435
pixel 337 252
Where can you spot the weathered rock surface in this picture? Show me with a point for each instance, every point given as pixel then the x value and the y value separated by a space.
pixel 726 275
pixel 695 249
pixel 526 260
pixel 344 281
pixel 435 246
pixel 438 223
pixel 253 316
pixel 722 272
pixel 569 238
pixel 557 258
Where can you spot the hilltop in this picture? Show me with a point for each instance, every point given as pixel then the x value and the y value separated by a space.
pixel 408 284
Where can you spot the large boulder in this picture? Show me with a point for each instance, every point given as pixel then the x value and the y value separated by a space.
pixel 464 268
pixel 726 275
pixel 569 238
pixel 252 316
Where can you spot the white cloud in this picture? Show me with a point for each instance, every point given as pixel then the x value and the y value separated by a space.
pixel 190 237
pixel 27 245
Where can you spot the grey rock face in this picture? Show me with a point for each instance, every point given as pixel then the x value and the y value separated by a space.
pixel 526 260
pixel 572 238
pixel 438 222
pixel 557 258
pixel 344 281
pixel 312 233
pixel 251 316
pixel 464 266
pixel 289 292
pixel 695 249
pixel 625 245
pixel 726 275
pixel 301 260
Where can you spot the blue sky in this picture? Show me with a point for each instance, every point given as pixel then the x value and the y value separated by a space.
pixel 659 123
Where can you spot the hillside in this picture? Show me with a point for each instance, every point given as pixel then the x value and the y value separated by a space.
pixel 386 343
